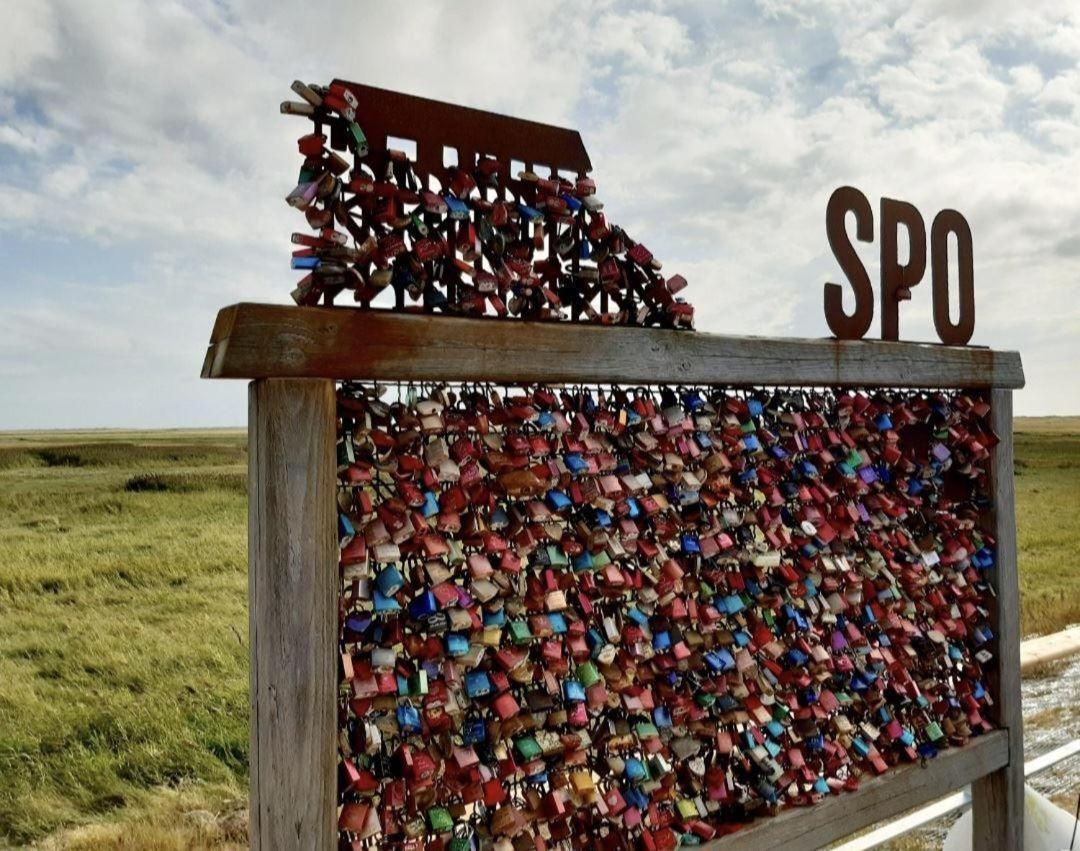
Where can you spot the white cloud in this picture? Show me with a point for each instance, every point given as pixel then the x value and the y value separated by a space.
pixel 717 131
pixel 28 36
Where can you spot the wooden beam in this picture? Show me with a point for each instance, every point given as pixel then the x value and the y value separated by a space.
pixel 880 798
pixel 268 341
pixel 1049 648
pixel 997 801
pixel 292 597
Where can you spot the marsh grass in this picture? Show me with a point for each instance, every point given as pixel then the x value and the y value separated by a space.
pixel 123 626
pixel 1048 521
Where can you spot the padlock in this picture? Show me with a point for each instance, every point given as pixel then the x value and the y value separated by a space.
pixel 408 719
pixel 439 820
pixel 462 840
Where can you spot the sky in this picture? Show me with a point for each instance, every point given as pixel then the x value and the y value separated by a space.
pixel 144 164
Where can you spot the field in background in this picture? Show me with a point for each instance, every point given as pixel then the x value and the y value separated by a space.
pixel 123 625
pixel 1048 521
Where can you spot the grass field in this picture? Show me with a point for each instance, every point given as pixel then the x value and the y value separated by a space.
pixel 123 626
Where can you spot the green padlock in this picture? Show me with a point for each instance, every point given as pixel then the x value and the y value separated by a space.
pixel 645 730
pixel 346 454
pixel 440 820
pixel 359 138
pixel 528 747
pixel 418 683
pixel 587 674
pixel 557 557
pixel 519 632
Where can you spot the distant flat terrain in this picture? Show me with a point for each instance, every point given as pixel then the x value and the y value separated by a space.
pixel 123 625
pixel 1043 425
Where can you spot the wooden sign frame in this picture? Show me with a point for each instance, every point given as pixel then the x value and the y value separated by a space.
pixel 294 356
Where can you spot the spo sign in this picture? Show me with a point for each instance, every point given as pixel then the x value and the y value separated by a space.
pixel 896 279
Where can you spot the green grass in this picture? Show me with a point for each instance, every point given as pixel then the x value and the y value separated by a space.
pixel 123 625
pixel 1048 521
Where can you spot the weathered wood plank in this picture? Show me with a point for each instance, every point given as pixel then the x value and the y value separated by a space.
pixel 266 341
pixel 877 799
pixel 1049 648
pixel 998 799
pixel 292 596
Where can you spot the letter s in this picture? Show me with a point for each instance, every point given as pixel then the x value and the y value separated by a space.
pixel 843 200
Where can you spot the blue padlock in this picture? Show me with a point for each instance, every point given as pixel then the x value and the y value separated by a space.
pixel 529 214
pixel 408 719
pixel 748 475
pixel 557 500
pixel 382 603
pixel 635 770
pixel 635 797
pixel 583 561
pixel 474 730
pixel 389 581
pixel 595 640
pixel 572 203
pixel 575 463
pixel 423 605
pixel 477 684
pixel 457 208
pixel 456 644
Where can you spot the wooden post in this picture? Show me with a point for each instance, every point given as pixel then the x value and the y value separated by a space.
pixel 292 595
pixel 998 798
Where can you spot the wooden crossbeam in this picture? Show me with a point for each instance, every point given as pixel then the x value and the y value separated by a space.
pixel 274 341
